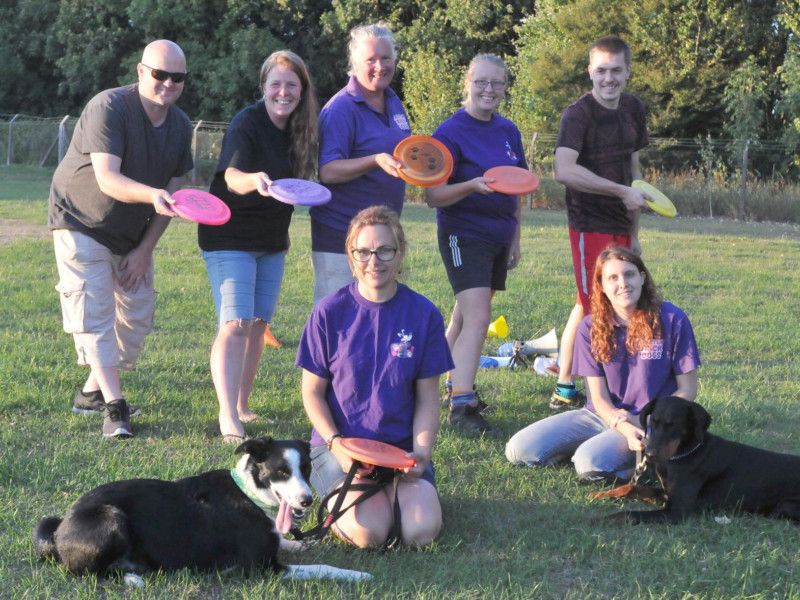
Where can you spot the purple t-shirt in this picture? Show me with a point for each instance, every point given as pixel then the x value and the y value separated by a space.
pixel 605 139
pixel 633 381
pixel 351 128
pixel 372 353
pixel 477 146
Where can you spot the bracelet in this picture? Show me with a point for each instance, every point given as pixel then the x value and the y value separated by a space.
pixel 329 441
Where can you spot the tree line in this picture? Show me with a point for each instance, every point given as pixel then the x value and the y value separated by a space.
pixel 725 68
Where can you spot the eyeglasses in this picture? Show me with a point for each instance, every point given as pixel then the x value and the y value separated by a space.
pixel 162 75
pixel 494 84
pixel 384 254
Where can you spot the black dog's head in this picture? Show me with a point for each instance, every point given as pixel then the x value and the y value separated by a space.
pixel 673 426
pixel 281 467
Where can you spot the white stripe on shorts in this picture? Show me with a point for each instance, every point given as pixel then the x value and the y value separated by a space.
pixel 455 251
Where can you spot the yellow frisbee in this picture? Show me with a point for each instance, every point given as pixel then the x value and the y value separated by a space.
pixel 656 200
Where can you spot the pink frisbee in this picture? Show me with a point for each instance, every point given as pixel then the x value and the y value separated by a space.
pixel 299 191
pixel 200 207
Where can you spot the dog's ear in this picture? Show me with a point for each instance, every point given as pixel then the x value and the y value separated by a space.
pixel 256 447
pixel 702 419
pixel 646 411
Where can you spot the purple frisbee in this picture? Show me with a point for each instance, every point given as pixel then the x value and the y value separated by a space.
pixel 300 192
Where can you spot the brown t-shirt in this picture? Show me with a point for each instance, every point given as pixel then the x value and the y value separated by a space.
pixel 114 122
pixel 605 139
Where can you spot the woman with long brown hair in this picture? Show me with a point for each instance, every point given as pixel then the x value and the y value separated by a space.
pixel 633 348
pixel 274 138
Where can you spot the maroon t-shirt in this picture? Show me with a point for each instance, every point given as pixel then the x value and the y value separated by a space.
pixel 605 139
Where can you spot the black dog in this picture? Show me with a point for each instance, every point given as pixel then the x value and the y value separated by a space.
pixel 701 471
pixel 210 521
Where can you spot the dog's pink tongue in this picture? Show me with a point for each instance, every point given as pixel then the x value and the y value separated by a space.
pixel 283 522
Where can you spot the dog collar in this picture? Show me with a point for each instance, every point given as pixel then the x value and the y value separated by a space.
pixel 688 452
pixel 271 511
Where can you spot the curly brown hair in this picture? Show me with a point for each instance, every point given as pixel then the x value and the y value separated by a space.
pixel 303 120
pixel 645 324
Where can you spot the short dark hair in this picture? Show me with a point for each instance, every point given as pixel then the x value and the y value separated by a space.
pixel 613 45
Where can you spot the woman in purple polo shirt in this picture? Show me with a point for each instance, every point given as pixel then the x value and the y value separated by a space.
pixel 631 349
pixel 478 228
pixel 371 355
pixel 359 128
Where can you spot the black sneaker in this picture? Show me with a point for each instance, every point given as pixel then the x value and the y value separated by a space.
pixel 93 403
pixel 482 407
pixel 469 418
pixel 117 419
pixel 559 401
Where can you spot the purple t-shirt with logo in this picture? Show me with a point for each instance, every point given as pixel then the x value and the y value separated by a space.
pixel 351 128
pixel 633 381
pixel 372 354
pixel 477 146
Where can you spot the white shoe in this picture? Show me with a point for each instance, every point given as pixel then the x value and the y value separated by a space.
pixel 546 366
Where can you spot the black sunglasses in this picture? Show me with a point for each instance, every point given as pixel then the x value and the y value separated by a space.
pixel 162 75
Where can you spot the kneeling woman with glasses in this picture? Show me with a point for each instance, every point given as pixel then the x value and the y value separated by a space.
pixel 371 355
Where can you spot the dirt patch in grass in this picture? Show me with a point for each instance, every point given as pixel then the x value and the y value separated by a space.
pixel 14 229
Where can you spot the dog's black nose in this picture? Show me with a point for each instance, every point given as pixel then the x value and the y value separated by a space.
pixel 306 502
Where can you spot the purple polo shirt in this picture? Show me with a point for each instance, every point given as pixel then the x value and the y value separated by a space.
pixel 351 128
pixel 633 381
pixel 372 354
pixel 477 146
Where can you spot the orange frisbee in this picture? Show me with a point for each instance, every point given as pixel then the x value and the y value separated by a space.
pixel 379 454
pixel 512 180
pixel 426 160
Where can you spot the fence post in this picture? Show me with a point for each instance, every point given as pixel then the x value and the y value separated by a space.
pixel 743 187
pixel 531 150
pixel 10 152
pixel 195 152
pixel 62 138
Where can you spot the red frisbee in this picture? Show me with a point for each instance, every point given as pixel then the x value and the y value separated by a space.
pixel 512 180
pixel 200 207
pixel 426 161
pixel 373 452
pixel 299 191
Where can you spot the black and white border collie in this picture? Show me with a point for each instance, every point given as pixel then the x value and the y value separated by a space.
pixel 215 520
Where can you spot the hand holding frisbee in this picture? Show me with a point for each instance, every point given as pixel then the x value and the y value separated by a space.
pixel 511 180
pixel 200 206
pixel 426 161
pixel 656 200
pixel 376 454
pixel 299 192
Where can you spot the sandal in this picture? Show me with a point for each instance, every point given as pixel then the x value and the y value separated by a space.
pixel 232 438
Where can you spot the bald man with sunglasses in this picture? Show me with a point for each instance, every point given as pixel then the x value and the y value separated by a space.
pixel 109 204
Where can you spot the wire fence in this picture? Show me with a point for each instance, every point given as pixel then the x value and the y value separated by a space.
pixel 727 177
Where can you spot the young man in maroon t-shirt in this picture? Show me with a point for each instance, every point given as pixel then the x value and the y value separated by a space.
pixel 597 158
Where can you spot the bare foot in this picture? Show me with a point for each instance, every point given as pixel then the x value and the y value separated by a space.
pixel 247 416
pixel 231 438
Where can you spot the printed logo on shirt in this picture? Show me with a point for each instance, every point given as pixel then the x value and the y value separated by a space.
pixel 401 121
pixel 510 151
pixel 403 348
pixel 655 351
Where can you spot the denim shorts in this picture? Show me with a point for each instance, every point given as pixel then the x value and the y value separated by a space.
pixel 327 474
pixel 245 284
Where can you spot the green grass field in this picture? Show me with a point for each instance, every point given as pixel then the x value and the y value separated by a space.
pixel 509 532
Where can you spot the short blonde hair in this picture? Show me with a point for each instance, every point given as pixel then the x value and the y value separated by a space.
pixel 486 57
pixel 375 215
pixel 362 33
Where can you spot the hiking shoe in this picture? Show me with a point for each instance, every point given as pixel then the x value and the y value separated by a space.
pixel 117 419
pixel 468 418
pixel 561 401
pixel 482 407
pixel 93 403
